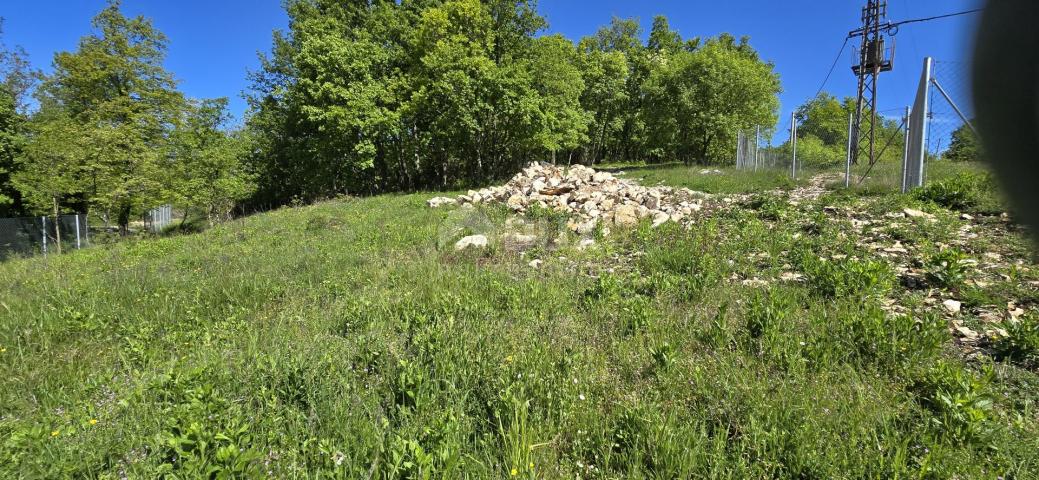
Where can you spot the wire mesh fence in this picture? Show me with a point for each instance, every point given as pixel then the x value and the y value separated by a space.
pixel 950 110
pixel 26 236
pixel 755 152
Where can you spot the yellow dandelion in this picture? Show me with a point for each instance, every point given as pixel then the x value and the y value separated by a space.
pixel 55 433
pixel 93 421
pixel 531 466
pixel 514 472
pixel 508 359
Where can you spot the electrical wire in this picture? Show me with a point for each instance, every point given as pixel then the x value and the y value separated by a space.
pixel 889 26
pixel 832 67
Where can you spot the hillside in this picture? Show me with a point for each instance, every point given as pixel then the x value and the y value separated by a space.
pixel 802 333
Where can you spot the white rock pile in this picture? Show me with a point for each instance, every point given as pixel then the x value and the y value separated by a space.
pixel 589 197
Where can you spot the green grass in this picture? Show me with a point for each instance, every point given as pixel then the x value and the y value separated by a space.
pixel 339 340
pixel 729 180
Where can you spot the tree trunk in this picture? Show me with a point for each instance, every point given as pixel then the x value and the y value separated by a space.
pixel 124 220
pixel 57 226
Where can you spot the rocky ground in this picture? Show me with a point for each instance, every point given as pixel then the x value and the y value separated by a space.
pixel 952 264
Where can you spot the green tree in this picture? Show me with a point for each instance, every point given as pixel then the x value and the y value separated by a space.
pixel 662 39
pixel 121 103
pixel 206 172
pixel 560 83
pixel 605 98
pixel 703 97
pixel 825 118
pixel 16 80
pixel 964 146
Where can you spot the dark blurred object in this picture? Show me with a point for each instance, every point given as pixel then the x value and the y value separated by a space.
pixel 1006 99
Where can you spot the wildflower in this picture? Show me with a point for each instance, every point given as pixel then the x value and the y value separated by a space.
pixel 508 359
pixel 581 396
pixel 93 421
pixel 514 472
pixel 531 466
pixel 55 433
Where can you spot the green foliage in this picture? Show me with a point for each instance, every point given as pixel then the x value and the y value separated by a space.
pixel 1021 345
pixel 105 116
pixel 961 400
pixel 205 172
pixel 16 78
pixel 846 278
pixel 387 96
pixel 700 98
pixel 964 146
pixel 964 191
pixel 947 268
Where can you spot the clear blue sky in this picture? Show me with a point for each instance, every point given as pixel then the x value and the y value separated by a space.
pixel 213 43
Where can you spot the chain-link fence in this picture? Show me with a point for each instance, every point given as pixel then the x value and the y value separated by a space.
pixel 950 112
pixel 25 236
pixel 754 151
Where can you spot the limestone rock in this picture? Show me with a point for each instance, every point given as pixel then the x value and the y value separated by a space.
pixel 437 202
pixel 475 241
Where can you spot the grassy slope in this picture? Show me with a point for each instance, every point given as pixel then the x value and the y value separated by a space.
pixel 338 339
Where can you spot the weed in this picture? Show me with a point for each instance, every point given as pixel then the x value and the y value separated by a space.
pixel 847 278
pixel 947 268
pixel 1021 345
pixel 961 401
pixel 965 191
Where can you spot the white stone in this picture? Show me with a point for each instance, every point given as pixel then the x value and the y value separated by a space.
pixel 475 241
pixel 437 202
pixel 913 213
pixel 625 215
pixel 952 306
pixel 660 219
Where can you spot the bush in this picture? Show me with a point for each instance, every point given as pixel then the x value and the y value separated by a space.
pixel 867 335
pixel 963 191
pixel 1021 345
pixel 947 268
pixel 849 277
pixel 960 401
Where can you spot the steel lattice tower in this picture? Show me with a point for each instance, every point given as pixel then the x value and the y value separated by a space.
pixel 872 61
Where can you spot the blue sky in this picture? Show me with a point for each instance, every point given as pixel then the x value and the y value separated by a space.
pixel 213 43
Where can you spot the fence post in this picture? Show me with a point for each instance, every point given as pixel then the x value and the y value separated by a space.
pixel 78 244
pixel 757 141
pixel 847 161
pixel 44 219
pixel 793 145
pixel 905 156
pixel 739 147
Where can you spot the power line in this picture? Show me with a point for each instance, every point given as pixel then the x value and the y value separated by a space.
pixel 888 26
pixel 967 12
pixel 832 67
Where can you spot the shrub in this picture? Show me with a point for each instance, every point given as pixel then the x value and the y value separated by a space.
pixel 850 277
pixel 867 335
pixel 963 191
pixel 960 401
pixel 947 268
pixel 1021 345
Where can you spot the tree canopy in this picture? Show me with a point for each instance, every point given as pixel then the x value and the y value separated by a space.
pixel 364 97
pixel 113 134
pixel 367 97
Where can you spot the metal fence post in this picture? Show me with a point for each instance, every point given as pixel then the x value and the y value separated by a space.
pixel 757 141
pixel 793 145
pixel 44 219
pixel 78 244
pixel 905 156
pixel 847 162
pixel 739 147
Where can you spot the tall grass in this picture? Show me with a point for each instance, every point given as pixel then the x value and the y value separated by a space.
pixel 339 341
